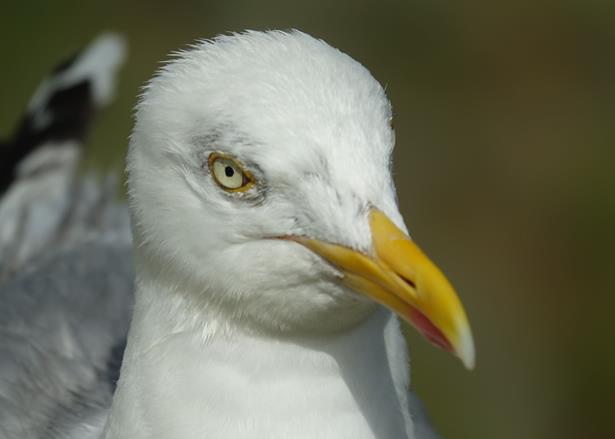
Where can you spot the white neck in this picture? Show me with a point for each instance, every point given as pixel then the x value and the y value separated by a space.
pixel 184 380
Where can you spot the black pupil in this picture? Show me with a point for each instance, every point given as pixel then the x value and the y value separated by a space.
pixel 229 171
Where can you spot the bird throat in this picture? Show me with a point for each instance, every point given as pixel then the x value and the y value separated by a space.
pixel 185 383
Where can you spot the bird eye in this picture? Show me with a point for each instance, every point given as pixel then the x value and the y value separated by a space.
pixel 229 174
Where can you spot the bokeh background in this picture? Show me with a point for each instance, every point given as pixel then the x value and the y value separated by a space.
pixel 505 160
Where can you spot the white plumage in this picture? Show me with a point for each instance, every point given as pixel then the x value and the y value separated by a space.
pixel 236 333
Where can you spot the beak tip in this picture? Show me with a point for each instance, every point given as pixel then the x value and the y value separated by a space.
pixel 466 351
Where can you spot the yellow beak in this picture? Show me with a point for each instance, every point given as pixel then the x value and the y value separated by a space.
pixel 400 277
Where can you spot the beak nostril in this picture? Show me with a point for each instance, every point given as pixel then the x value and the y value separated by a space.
pixel 409 282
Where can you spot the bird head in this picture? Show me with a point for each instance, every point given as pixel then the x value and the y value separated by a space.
pixel 260 176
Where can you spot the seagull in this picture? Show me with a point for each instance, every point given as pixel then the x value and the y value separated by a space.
pixel 271 265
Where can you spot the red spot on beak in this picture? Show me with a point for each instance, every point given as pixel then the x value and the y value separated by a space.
pixel 422 323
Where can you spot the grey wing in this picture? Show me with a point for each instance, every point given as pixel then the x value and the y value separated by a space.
pixel 63 328
pixel 422 424
pixel 66 275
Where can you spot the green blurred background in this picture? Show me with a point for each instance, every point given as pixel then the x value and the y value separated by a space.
pixel 505 121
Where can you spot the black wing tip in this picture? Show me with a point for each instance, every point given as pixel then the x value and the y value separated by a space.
pixel 65 102
pixel 63 106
